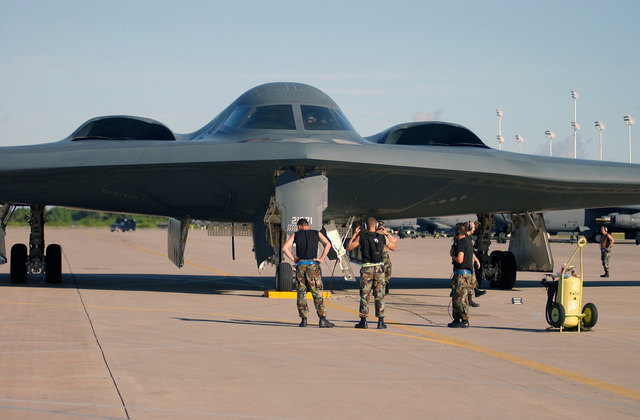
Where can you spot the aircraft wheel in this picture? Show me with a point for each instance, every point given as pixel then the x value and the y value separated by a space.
pixel 18 266
pixel 556 314
pixel 53 264
pixel 284 277
pixel 507 270
pixel 590 313
pixel 495 261
pixel 502 238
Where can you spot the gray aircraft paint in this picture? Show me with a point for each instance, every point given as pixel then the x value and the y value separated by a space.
pixel 227 174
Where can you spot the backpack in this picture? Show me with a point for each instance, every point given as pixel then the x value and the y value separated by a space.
pixel 372 247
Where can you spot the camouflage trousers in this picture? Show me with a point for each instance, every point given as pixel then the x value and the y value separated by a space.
pixel 460 288
pixel 309 278
pixel 372 278
pixel 473 283
pixel 605 256
pixel 386 259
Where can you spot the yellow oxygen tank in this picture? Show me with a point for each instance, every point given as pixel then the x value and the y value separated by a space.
pixel 570 294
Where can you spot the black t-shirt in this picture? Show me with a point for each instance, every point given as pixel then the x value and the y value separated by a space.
pixel 464 245
pixel 306 244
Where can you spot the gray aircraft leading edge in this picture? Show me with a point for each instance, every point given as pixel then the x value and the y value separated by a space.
pixel 282 151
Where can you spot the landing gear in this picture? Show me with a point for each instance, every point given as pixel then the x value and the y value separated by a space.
pixel 499 267
pixel 275 239
pixel 53 264
pixel 284 277
pixel 18 266
pixel 34 259
pixel 504 263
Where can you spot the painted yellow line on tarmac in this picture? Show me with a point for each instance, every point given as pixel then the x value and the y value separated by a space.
pixel 291 295
pixel 419 333
pixel 422 334
pixel 416 333
pixel 137 248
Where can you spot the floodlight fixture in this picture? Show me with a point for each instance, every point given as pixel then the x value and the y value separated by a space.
pixel 550 135
pixel 629 122
pixel 574 123
pixel 519 139
pixel 500 138
pixel 600 127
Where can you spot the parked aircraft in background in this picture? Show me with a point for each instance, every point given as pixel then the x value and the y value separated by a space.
pixel 280 152
pixel 431 225
pixel 587 222
pixel 584 222
pixel 443 224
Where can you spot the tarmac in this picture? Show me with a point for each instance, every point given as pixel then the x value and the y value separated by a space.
pixel 127 335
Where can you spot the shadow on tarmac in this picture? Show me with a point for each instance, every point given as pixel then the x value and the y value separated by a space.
pixel 221 284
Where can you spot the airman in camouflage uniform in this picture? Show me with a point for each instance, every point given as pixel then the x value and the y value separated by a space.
pixel 308 274
pixel 606 244
pixel 372 272
pixel 462 258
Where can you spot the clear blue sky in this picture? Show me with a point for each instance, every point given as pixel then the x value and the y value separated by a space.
pixel 181 62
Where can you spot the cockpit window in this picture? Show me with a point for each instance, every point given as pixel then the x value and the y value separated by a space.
pixel 321 118
pixel 272 117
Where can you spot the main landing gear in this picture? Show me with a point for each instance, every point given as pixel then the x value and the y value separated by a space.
pixel 498 267
pixel 35 259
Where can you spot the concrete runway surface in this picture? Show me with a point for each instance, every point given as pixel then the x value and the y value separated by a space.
pixel 129 335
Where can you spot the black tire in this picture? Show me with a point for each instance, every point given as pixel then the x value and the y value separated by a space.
pixel 590 317
pixel 495 261
pixel 556 315
pixel 18 266
pixel 507 271
pixel 53 264
pixel 284 277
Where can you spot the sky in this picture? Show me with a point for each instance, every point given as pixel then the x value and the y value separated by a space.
pixel 384 63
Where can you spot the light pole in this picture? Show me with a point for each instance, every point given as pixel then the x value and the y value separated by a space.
pixel 500 138
pixel 520 140
pixel 600 127
pixel 629 121
pixel 574 124
pixel 550 135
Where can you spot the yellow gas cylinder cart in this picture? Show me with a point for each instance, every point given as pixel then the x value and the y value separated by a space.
pixel 564 300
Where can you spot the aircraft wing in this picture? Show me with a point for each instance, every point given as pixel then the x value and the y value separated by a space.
pixel 286 147
pixel 229 181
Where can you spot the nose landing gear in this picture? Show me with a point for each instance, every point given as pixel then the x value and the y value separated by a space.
pixel 34 259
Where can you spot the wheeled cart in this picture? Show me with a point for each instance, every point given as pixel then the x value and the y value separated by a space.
pixel 565 298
